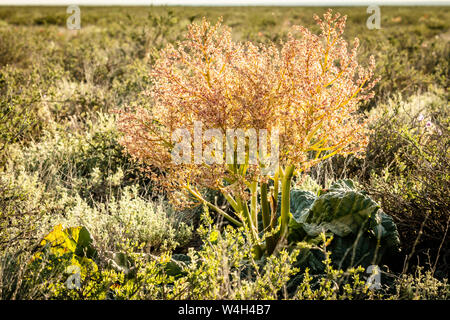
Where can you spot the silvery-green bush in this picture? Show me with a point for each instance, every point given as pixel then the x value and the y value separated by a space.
pixel 131 218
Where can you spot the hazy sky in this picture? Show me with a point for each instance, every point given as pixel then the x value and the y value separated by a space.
pixel 228 2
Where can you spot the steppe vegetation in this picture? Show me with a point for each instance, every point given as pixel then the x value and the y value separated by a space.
pixel 77 200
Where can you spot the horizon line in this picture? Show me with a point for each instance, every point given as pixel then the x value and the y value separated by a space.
pixel 222 3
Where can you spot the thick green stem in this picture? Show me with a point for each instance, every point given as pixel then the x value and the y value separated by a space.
pixel 210 205
pixel 276 183
pixel 248 221
pixel 245 212
pixel 266 215
pixel 275 186
pixel 285 199
pixel 265 207
pixel 254 204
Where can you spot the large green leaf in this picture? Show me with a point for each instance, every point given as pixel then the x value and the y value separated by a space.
pixel 301 203
pixel 384 228
pixel 177 264
pixel 361 231
pixel 344 184
pixel 85 244
pixel 69 248
pixel 76 240
pixel 340 211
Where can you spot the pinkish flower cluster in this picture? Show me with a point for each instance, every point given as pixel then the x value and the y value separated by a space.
pixel 307 87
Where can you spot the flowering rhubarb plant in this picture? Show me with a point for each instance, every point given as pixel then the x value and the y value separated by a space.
pixel 303 92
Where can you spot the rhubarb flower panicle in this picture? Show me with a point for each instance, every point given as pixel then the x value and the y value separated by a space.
pixel 307 88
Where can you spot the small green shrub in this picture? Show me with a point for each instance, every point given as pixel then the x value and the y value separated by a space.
pixel 15 44
pixel 406 171
pixel 22 204
pixel 225 268
pixel 21 117
pixel 22 280
pixel 409 165
pixel 88 161
pixel 421 286
pixel 332 284
pixel 131 218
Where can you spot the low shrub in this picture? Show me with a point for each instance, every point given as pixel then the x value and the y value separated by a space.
pixel 85 161
pixel 409 165
pixel 225 268
pixel 154 225
pixel 405 169
pixel 22 204
pixel 421 286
